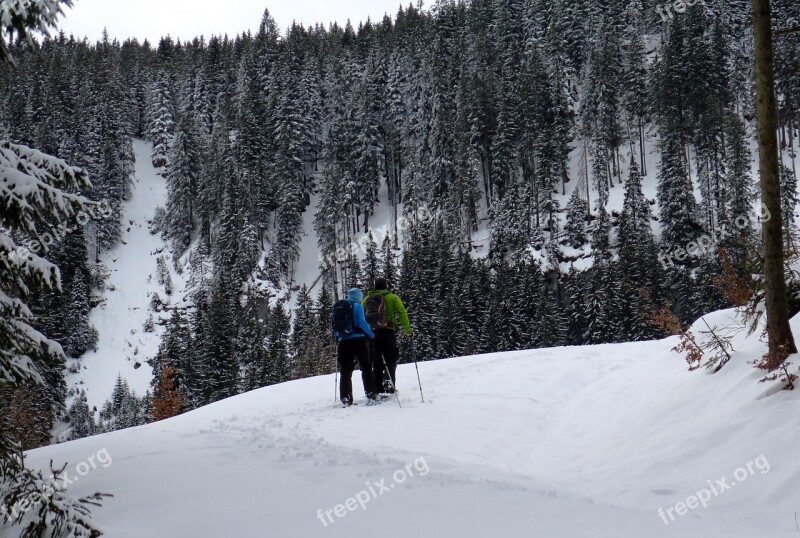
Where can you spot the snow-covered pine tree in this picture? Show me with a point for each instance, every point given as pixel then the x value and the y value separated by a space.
pixel 124 409
pixel 64 316
pixel 217 168
pixel 217 368
pixel 161 114
pixel 80 418
pixel 508 234
pixel 551 325
pixel 287 172
pixel 638 264
pixel 577 213
pixel 634 81
pixel 576 309
pixel 33 195
pixel 251 349
pixel 354 278
pixel 676 202
pixel 121 390
pixel 183 176
pixel 279 364
pixel 35 192
pixel 604 287
pixel 322 331
pixel 389 263
pixel 307 356
pixel 22 19
pixel 637 247
pixel 175 354
pixel 370 266
pixel 789 200
pixel 740 192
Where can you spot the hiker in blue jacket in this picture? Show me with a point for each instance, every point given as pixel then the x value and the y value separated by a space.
pixel 354 346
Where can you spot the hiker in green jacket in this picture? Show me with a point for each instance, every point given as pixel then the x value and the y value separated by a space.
pixel 384 312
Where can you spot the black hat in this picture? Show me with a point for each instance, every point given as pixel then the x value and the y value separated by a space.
pixel 381 284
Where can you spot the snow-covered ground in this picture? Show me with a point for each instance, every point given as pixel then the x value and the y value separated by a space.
pixel 124 347
pixel 559 443
pixel 569 442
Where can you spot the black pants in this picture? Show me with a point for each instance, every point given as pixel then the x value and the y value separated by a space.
pixel 349 351
pixel 385 349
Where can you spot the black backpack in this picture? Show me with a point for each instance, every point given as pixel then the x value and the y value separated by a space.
pixel 342 317
pixel 375 312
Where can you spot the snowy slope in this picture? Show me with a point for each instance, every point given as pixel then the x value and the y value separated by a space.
pixel 558 443
pixel 123 343
pixel 308 266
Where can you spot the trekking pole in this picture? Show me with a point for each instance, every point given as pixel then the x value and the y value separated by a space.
pixel 389 377
pixel 335 377
pixel 414 356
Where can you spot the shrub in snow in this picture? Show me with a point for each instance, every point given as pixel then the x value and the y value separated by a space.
pixel 167 400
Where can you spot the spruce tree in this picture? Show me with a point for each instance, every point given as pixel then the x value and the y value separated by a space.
pixel 161 124
pixel 37 196
pixel 183 176
pixel 279 365
pixel 676 202
pixel 80 417
pixel 577 212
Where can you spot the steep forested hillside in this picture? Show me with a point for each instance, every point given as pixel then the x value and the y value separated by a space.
pixel 492 158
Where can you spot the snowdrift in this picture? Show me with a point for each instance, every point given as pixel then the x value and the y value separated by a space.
pixel 568 442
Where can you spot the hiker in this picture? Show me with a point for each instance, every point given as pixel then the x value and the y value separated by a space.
pixel 384 311
pixel 351 330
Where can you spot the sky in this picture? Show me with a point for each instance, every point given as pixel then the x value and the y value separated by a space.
pixel 184 19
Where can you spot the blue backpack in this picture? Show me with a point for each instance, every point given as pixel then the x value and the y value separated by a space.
pixel 342 316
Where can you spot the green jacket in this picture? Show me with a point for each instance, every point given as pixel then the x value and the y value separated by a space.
pixel 395 310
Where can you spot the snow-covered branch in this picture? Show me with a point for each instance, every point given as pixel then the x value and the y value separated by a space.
pixel 24 17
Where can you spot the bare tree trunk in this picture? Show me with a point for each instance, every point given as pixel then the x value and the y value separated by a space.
pixel 791 148
pixel 585 180
pixel 688 160
pixel 641 147
pixel 780 336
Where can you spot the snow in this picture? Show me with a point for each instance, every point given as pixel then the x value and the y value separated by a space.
pixel 133 279
pixel 567 442
pixel 307 269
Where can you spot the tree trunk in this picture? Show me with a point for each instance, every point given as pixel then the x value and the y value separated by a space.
pixel 641 147
pixel 779 333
